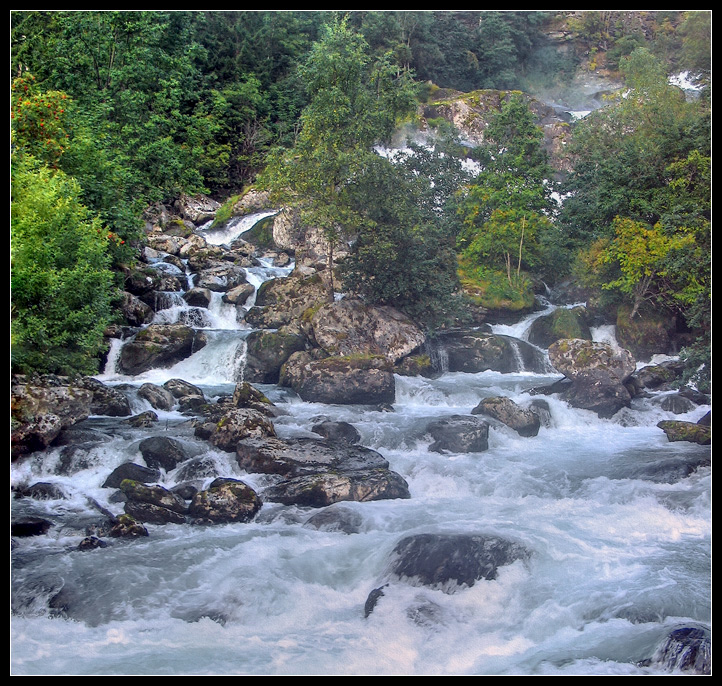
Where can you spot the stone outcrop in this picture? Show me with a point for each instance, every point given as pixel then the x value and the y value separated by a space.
pixel 598 373
pixel 225 501
pixel 350 327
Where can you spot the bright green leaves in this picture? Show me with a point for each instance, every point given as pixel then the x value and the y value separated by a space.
pixel 60 278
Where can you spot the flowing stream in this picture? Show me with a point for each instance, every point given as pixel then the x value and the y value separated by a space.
pixel 620 541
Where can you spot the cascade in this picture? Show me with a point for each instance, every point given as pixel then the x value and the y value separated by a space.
pixel 616 520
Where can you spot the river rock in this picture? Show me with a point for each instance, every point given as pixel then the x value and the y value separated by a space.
pixel 325 488
pixel 143 420
pixel 266 353
pixel 246 395
pixel 235 425
pixel 686 431
pixel 686 649
pixel 350 327
pixel 282 301
pixel 159 397
pixel 225 501
pixel 239 294
pixel 107 401
pixel 40 411
pixel 153 504
pixel 135 311
pixel 126 526
pixel 448 562
pixel 162 452
pixel 30 526
pixel 42 490
pixel 159 345
pixel 197 209
pixel 659 377
pixel 478 351
pixel 598 373
pixel 299 456
pixel 336 518
pixel 198 297
pixel 524 422
pixel 221 277
pixel 133 472
pixel 337 432
pixel 459 434
pixel 351 380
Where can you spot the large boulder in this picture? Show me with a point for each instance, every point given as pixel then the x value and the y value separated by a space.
pixel 524 422
pixel 107 401
pixel 295 457
pixel 349 380
pixel 233 426
pixel 163 452
pixel 350 327
pixel 267 351
pixel 220 278
pixel 159 345
pixel 447 562
pixel 282 301
pixel 39 411
pixel 598 373
pixel 152 503
pixel 478 351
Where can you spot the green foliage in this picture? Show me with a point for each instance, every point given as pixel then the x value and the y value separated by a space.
pixel 60 278
pixel 505 213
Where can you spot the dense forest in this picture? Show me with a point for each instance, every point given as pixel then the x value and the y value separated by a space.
pixel 115 111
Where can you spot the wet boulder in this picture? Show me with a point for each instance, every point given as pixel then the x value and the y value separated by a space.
pixel 135 311
pixel 326 488
pixel 246 395
pixel 163 452
pixel 479 351
pixel 152 504
pixel 235 425
pixel 284 300
pixel 225 501
pixel 459 434
pixel 524 422
pixel 41 410
pixel 159 345
pixel 299 456
pixel 107 401
pixel 336 518
pixel 349 380
pixel 126 526
pixel 221 277
pixel 447 562
pixel 267 351
pixel 132 471
pixel 686 649
pixel 686 431
pixel 337 432
pixel 598 373
pixel 158 397
pixel 351 327
pixel 198 297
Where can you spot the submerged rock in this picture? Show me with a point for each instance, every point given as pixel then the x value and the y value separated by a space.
pixel 686 649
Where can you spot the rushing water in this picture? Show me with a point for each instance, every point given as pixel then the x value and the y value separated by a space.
pixel 620 548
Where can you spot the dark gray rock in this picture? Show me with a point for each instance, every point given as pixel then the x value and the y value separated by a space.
pixel 524 422
pixel 163 452
pixel 337 432
pixel 459 434
pixel 132 471
pixel 225 501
